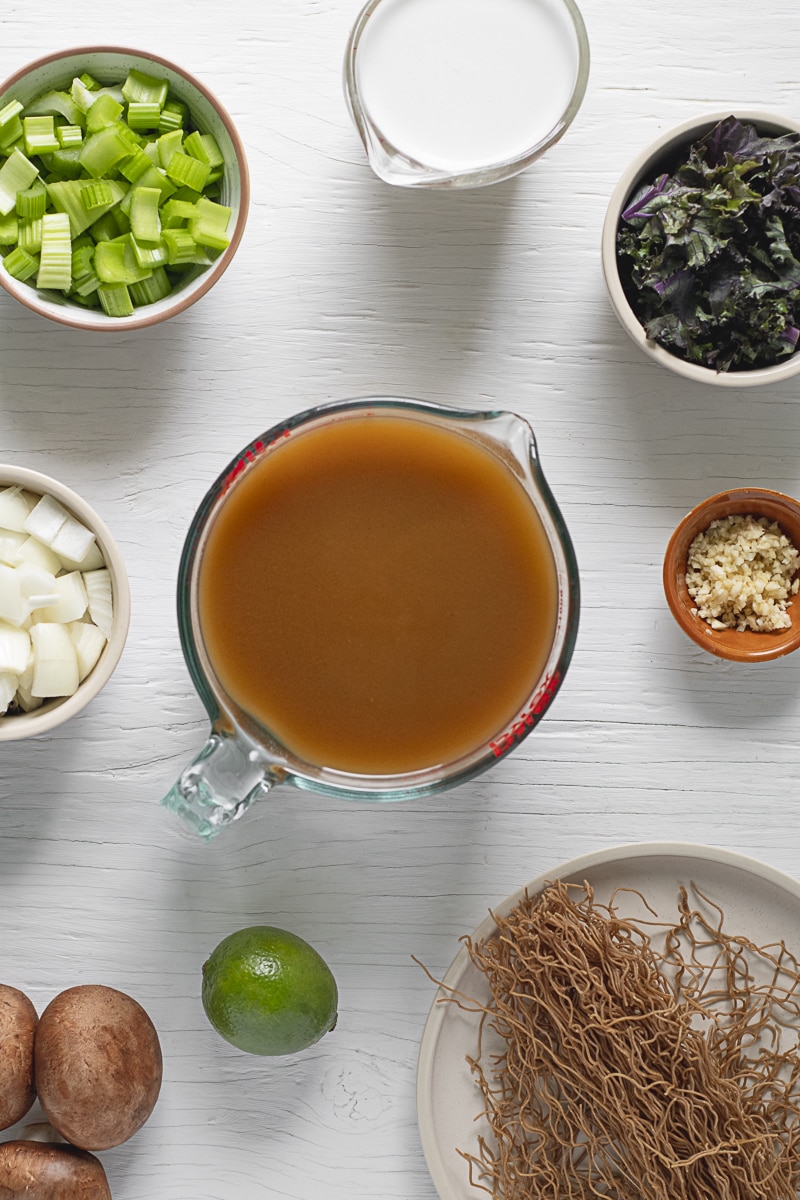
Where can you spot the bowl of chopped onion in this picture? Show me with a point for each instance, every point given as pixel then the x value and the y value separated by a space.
pixel 732 574
pixel 124 188
pixel 64 603
pixel 696 249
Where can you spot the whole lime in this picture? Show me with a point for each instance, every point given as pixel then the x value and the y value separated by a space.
pixel 267 991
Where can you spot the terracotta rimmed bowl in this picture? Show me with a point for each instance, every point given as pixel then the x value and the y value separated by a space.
pixel 746 646
pixel 110 64
pixel 664 155
pixel 14 727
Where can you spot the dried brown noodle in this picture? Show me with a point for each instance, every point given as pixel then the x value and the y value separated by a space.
pixel 630 1072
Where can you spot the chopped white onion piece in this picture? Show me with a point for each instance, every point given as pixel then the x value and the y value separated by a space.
pixel 72 600
pixel 14 509
pixel 92 561
pixel 98 590
pixel 35 580
pixel 33 551
pixel 8 689
pixel 26 701
pixel 55 661
pixel 72 540
pixel 45 519
pixel 15 649
pixel 89 642
pixel 10 542
pixel 13 606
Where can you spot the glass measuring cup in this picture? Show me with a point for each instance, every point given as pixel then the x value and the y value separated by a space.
pixel 463 93
pixel 243 759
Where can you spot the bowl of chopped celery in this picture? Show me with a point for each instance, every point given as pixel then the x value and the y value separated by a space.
pixel 124 188
pixel 701 249
pixel 64 603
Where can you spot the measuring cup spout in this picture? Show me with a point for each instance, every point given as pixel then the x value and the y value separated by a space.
pixel 219 785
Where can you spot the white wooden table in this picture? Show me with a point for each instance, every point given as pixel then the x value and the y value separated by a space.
pixel 342 287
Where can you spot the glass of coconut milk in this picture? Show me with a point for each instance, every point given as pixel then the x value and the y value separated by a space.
pixel 463 93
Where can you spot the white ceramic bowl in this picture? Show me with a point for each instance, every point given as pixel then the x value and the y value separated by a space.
pixel 14 727
pixel 645 166
pixel 110 64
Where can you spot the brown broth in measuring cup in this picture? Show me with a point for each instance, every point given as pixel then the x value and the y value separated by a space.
pixel 379 594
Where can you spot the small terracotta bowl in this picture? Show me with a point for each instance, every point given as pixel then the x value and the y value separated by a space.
pixel 15 726
pixel 746 646
pixel 110 65
pixel 663 155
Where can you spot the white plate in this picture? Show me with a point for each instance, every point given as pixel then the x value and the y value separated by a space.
pixel 759 902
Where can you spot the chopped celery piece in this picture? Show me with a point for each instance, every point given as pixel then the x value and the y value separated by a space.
pixel 167 144
pixel 70 136
pixel 204 147
pixel 181 246
pixel 9 112
pixel 89 81
pixel 101 151
pixel 105 111
pixel 64 164
pixel 147 291
pixel 136 166
pixel 32 202
pixel 175 212
pixel 169 120
pixel 9 230
pixel 11 137
pixel 144 116
pixel 16 175
pixel 104 229
pixel 97 194
pixel 155 178
pixel 115 262
pixel 145 221
pixel 151 255
pixel 10 123
pixel 20 264
pixel 82 257
pixel 187 171
pixel 140 88
pixel 56 104
pixel 30 235
pixel 66 197
pixel 115 299
pixel 82 97
pixel 120 218
pixel 86 285
pixel 39 134
pixel 209 224
pixel 179 108
pixel 55 265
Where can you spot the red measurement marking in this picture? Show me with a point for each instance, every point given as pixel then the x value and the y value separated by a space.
pixel 529 717
pixel 250 455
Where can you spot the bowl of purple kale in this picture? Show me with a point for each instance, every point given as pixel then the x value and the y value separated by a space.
pixel 701 249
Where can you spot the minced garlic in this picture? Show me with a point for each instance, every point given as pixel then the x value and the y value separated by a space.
pixel 741 574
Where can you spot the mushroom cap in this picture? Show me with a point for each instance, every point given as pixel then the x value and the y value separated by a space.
pixel 50 1171
pixel 98 1065
pixel 18 1022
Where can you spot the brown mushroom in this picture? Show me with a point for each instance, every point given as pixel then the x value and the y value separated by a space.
pixel 98 1066
pixel 17 1028
pixel 50 1171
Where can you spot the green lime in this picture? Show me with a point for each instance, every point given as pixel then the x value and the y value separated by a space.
pixel 267 991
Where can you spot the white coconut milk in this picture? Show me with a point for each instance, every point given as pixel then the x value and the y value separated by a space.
pixel 463 84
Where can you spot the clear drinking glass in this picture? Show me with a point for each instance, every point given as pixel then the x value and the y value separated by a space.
pixel 242 761
pixel 463 93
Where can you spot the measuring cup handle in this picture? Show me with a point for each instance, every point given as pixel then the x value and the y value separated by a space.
pixel 219 785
